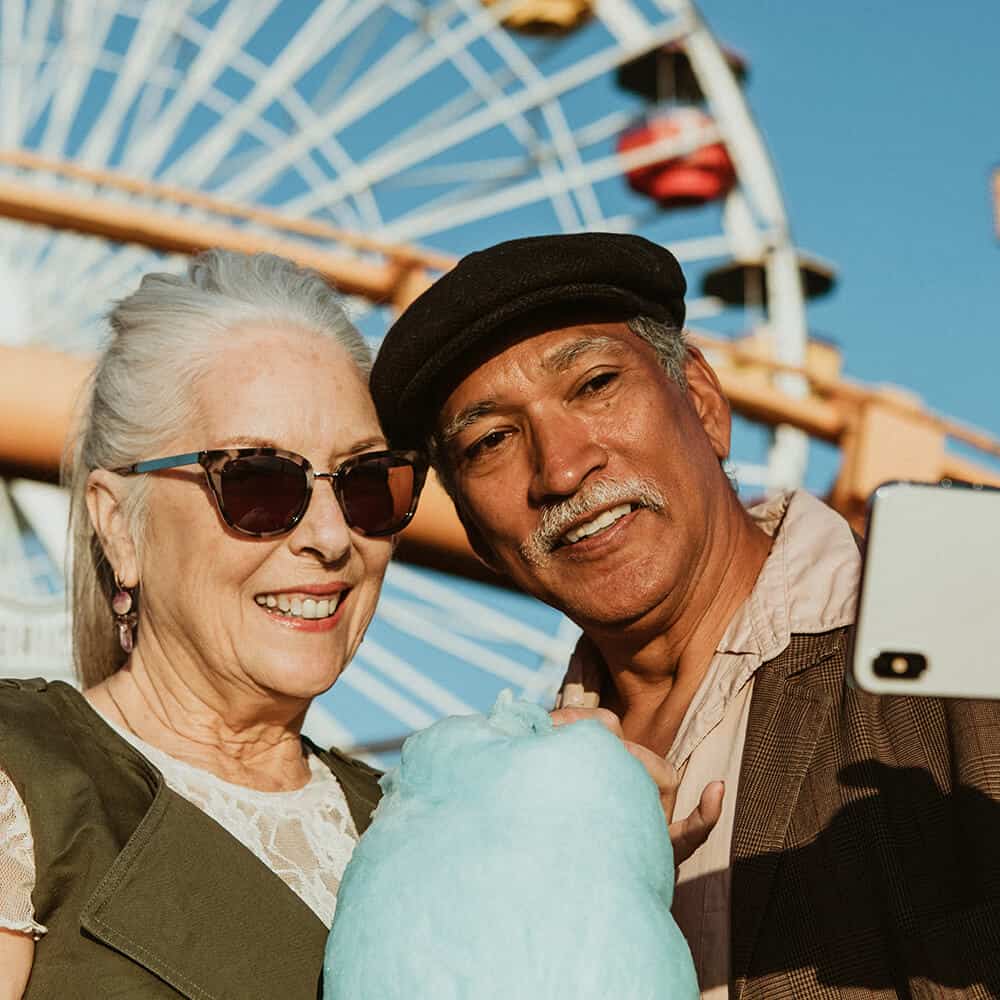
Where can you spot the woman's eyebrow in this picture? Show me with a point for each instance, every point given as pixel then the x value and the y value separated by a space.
pixel 366 445
pixel 242 441
pixel 561 358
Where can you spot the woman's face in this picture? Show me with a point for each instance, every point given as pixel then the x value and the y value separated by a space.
pixel 204 604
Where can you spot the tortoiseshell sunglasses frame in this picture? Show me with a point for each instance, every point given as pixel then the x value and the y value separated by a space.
pixel 215 460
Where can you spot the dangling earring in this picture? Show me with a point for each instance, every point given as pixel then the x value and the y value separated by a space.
pixel 126 618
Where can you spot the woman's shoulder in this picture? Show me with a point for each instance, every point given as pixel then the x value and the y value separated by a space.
pixel 49 724
pixel 359 781
pixel 27 703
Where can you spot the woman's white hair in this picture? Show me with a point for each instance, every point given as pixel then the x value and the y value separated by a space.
pixel 163 338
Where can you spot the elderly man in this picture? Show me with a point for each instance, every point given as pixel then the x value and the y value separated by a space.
pixel 858 850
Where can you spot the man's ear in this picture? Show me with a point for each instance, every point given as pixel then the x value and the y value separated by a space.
pixel 710 404
pixel 105 497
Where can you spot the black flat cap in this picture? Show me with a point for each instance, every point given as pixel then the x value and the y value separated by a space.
pixel 512 290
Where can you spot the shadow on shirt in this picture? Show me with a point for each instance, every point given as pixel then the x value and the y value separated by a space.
pixel 901 886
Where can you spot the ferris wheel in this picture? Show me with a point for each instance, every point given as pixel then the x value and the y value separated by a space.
pixel 395 130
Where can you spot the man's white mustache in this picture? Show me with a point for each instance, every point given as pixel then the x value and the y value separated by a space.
pixel 556 519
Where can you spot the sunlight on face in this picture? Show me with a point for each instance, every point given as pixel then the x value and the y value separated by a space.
pixel 213 599
pixel 586 472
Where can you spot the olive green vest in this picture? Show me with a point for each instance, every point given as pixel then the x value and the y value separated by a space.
pixel 145 896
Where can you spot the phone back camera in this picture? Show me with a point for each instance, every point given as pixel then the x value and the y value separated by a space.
pixel 899 665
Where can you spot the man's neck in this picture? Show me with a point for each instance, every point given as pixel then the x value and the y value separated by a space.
pixel 655 673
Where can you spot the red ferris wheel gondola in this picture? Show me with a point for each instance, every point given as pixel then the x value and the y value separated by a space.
pixel 694 178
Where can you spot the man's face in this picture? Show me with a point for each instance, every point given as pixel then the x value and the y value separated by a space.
pixel 587 475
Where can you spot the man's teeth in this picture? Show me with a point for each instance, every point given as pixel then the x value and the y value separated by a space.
pixel 603 520
pixel 300 607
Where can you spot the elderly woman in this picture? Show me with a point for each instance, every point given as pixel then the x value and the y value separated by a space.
pixel 169 832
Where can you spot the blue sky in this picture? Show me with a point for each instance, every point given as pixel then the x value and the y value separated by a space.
pixel 882 119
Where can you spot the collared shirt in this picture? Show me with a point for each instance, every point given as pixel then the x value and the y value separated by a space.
pixel 807 585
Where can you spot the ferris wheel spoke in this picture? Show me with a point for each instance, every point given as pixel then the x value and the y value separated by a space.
pixel 519 126
pixel 64 74
pixel 357 49
pixel 107 276
pixel 11 73
pixel 326 27
pixel 583 197
pixel 418 224
pixel 68 258
pixel 399 158
pixel 475 653
pixel 411 680
pixel 97 277
pixel 452 110
pixel 237 24
pixel 454 175
pixel 325 730
pixel 206 156
pixel 623 20
pixel 406 62
pixel 363 210
pixel 155 32
pixel 65 110
pixel 387 698
pixel 484 87
pixel 487 618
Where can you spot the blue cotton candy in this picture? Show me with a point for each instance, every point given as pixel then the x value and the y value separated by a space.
pixel 511 859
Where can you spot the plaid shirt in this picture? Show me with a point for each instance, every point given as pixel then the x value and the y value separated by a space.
pixel 866 846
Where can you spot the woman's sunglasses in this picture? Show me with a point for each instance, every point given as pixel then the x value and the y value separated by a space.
pixel 266 491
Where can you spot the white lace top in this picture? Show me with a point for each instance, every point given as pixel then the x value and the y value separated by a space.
pixel 305 837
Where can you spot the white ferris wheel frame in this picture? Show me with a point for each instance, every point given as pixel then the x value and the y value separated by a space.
pixel 754 220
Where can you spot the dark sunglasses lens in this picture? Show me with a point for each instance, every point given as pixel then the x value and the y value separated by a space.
pixel 263 493
pixel 377 494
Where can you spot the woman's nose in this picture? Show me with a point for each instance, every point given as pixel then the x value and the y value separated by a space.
pixel 323 530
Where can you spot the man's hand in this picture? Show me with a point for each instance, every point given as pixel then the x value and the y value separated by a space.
pixel 687 834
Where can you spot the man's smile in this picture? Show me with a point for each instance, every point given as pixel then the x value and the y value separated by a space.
pixel 603 520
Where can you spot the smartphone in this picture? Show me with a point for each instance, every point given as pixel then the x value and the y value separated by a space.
pixel 929 609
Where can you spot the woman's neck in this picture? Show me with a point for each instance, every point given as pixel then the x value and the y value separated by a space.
pixel 190 720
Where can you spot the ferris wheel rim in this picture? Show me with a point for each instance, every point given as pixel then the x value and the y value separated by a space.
pixel 572 172
pixel 565 181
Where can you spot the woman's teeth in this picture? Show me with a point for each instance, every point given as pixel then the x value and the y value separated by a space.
pixel 300 607
pixel 603 520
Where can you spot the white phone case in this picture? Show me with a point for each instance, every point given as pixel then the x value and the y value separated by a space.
pixel 930 589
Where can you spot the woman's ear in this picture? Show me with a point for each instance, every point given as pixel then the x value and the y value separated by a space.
pixel 105 498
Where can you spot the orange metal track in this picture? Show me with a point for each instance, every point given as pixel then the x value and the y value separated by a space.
pixel 883 433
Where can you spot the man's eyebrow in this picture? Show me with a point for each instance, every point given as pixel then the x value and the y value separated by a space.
pixel 559 360
pixel 465 417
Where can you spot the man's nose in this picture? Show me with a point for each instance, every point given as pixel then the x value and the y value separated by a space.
pixel 566 452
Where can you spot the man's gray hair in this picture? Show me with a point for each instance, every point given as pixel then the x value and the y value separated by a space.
pixel 163 339
pixel 667 341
